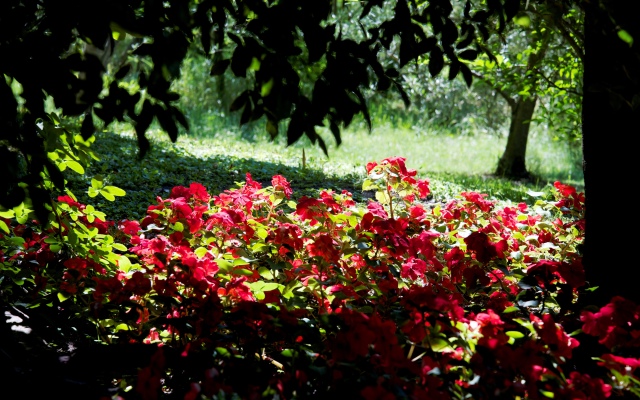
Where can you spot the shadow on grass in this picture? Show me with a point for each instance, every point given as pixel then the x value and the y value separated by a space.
pixel 166 166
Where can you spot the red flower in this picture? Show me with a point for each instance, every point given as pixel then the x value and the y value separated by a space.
pixel 621 364
pixel 413 269
pixel 199 192
pixel 423 188
pixel 484 249
pixel 129 227
pixel 324 246
pixel 585 387
pixel 554 336
pixel 478 199
pixel 280 184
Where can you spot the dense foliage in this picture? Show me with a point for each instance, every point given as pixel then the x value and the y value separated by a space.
pixel 248 294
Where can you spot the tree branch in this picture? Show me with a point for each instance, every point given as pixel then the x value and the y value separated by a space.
pixel 510 100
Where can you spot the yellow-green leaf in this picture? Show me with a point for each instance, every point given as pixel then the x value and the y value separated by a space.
pixel 7 214
pixel 62 296
pixel 625 36
pixel 75 166
pixel 107 195
pixel 114 190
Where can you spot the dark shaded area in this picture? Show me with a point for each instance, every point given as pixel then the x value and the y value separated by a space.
pixel 166 166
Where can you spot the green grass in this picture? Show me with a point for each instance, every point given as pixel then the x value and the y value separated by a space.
pixel 452 163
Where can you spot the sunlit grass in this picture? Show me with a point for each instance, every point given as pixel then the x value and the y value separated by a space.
pixel 218 159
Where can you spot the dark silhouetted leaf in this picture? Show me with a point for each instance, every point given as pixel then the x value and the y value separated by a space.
pixel 368 6
pixel 219 67
pixel 403 93
pixel 179 117
pixel 295 129
pixel 272 128
pixel 246 113
pixel 122 72
pixel 236 39
pixel 511 8
pixel 167 123
pixel 468 54
pixel 466 74
pixel 454 68
pixel 436 61
pixel 384 84
pixel 392 73
pixel 87 129
pixel 239 101
pixel 142 122
pixel 335 131
pixel 449 33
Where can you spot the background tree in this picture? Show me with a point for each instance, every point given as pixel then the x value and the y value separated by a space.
pixel 530 64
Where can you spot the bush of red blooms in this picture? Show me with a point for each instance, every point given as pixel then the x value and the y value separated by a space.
pixel 248 294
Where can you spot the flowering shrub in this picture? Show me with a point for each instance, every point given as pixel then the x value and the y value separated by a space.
pixel 249 294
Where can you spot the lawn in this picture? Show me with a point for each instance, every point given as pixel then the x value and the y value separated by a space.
pixel 452 162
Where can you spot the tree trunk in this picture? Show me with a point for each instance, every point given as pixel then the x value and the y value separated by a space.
pixel 610 123
pixel 512 162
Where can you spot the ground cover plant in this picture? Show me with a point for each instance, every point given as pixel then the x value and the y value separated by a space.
pixel 249 293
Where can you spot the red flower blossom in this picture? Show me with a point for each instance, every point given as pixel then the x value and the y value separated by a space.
pixel 129 227
pixel 554 336
pixel 323 245
pixel 413 269
pixel 483 248
pixel 582 386
pixel 280 184
pixel 624 365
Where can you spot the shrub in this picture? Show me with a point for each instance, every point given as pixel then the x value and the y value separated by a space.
pixel 249 294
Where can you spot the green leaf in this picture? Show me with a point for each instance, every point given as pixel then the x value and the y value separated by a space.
pixel 122 327
pixel 265 273
pixel 200 252
pixel 75 166
pixel 16 241
pixel 93 192
pixel 224 265
pixel 4 226
pixel 266 88
pixel 523 20
pixel 63 296
pixel 114 190
pixel 368 184
pixel 124 264
pixel 383 197
pixel 270 286
pixel 119 247
pixel 7 214
pixel 107 195
pixel 242 271
pixel 262 233
pixel 548 394
pixel 510 310
pixel 515 334
pixel 96 182
pixel 626 37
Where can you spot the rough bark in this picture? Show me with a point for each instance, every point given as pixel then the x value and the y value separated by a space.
pixel 512 163
pixel 610 124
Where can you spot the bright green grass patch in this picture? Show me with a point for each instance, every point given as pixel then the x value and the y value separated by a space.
pixel 451 163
